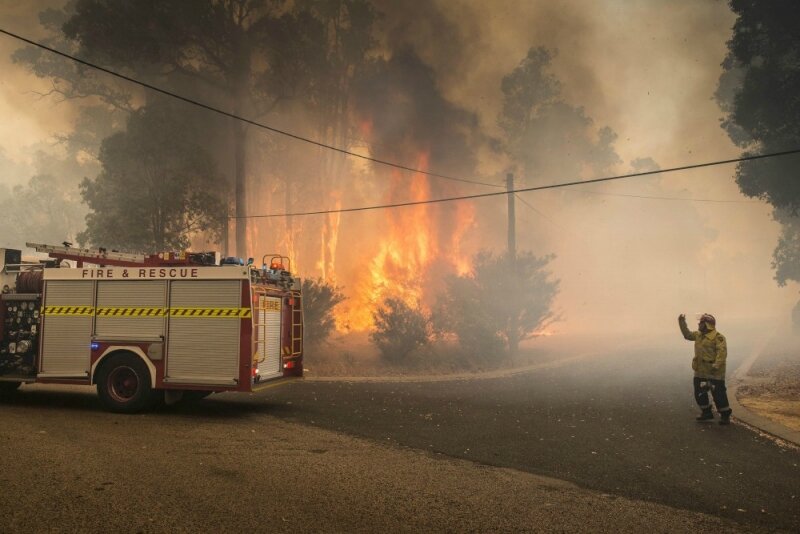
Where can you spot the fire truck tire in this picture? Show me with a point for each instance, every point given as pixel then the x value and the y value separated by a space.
pixel 123 384
pixel 192 395
pixel 7 388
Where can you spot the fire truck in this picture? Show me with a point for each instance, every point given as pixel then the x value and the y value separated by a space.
pixel 148 329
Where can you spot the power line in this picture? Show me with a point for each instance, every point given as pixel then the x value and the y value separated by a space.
pixel 675 198
pixel 538 212
pixel 555 225
pixel 388 163
pixel 527 189
pixel 244 119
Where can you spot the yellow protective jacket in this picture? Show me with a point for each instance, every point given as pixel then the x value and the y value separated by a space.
pixel 710 352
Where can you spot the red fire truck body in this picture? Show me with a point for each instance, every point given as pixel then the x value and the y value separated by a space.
pixel 145 329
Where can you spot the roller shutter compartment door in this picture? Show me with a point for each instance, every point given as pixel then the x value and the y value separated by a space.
pixel 67 328
pixel 203 347
pixel 131 309
pixel 268 324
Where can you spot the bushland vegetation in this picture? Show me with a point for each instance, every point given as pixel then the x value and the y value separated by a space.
pixel 319 302
pixel 399 330
pixel 487 313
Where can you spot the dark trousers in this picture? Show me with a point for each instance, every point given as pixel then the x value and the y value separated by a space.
pixel 718 391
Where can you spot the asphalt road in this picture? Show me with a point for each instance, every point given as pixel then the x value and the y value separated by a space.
pixel 622 423
pixel 614 437
pixel 231 466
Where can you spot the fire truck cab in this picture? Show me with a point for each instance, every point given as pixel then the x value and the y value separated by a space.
pixel 148 329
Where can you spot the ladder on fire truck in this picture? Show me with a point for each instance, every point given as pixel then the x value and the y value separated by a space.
pixel 78 254
pixel 104 257
pixel 297 325
pixel 282 277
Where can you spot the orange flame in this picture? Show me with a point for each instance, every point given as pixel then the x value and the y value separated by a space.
pixel 406 251
pixel 330 241
pixel 252 239
pixel 400 253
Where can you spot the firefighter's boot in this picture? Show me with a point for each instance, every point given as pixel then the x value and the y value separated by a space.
pixel 725 418
pixel 705 416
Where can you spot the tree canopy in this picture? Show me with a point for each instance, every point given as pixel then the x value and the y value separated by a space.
pixel 157 187
pixel 759 92
pixel 45 210
pixel 544 135
pixel 244 56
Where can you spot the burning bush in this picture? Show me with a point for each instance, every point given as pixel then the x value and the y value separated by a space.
pixel 399 329
pixel 319 300
pixel 498 305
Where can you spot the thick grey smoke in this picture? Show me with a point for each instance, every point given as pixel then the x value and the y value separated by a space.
pixel 28 117
pixel 646 69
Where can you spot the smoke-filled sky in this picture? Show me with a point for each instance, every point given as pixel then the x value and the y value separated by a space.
pixel 29 120
pixel 648 69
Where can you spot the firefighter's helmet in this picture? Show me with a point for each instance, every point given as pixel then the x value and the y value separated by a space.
pixel 708 319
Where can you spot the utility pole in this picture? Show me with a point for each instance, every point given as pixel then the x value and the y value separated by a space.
pixel 512 222
pixel 513 339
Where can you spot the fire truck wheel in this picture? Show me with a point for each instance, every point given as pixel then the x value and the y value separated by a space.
pixel 123 384
pixel 9 387
pixel 191 395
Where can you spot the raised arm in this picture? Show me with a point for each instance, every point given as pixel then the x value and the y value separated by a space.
pixel 687 334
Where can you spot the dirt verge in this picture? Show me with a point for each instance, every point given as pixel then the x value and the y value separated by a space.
pixel 771 388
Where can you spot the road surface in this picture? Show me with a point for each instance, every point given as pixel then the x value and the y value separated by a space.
pixel 621 423
pixel 608 443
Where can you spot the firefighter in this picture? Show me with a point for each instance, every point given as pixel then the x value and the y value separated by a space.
pixel 710 352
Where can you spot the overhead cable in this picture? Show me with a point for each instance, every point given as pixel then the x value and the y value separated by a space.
pixel 685 199
pixel 388 163
pixel 527 189
pixel 244 119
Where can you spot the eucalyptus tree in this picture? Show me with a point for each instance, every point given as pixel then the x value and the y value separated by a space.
pixel 246 57
pixel 759 93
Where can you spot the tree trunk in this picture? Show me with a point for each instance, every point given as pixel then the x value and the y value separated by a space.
pixel 240 181
pixel 288 203
pixel 240 77
pixel 513 323
pixel 226 230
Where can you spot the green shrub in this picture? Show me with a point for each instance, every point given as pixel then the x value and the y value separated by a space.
pixel 498 305
pixel 319 301
pixel 399 330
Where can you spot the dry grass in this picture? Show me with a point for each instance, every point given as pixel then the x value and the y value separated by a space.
pixel 781 410
pixel 772 388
